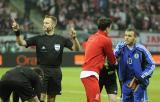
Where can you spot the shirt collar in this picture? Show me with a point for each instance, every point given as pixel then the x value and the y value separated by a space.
pixel 133 48
pixel 49 35
pixel 102 33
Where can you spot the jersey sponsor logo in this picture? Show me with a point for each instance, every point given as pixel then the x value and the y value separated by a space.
pixel 57 47
pixel 43 48
pixel 136 55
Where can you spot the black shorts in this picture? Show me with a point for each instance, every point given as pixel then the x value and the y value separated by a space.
pixel 24 90
pixel 108 80
pixel 52 81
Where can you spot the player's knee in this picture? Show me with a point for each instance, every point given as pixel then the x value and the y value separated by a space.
pixel 51 98
pixel 97 98
pixel 112 100
pixel 34 99
pixel 112 97
pixel 42 97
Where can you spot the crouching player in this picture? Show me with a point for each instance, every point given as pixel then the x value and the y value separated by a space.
pixel 107 78
pixel 24 81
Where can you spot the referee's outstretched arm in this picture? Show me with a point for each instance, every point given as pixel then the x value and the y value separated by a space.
pixel 20 40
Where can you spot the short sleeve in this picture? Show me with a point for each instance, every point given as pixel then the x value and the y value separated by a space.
pixel 68 43
pixel 32 41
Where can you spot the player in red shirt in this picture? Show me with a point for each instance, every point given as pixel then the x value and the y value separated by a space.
pixel 98 49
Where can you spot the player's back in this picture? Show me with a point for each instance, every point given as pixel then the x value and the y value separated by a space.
pixel 94 52
pixel 18 74
pixel 92 47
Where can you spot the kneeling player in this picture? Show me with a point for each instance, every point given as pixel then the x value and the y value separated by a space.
pixel 107 78
pixel 24 81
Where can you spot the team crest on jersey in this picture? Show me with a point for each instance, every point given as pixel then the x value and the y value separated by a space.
pixel 136 55
pixel 57 47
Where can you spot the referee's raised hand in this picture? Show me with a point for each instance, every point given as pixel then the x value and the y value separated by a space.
pixel 73 33
pixel 15 25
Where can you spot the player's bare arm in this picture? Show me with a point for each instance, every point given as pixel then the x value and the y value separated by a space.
pixel 76 44
pixel 20 40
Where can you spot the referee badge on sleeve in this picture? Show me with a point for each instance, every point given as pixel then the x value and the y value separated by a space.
pixel 57 47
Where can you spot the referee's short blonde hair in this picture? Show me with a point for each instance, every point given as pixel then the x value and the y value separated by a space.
pixel 54 19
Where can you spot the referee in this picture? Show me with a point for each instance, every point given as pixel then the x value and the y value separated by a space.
pixel 49 51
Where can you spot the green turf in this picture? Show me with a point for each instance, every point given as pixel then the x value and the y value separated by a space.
pixel 72 88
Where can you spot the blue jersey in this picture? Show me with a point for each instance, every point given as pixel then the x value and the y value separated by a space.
pixel 136 62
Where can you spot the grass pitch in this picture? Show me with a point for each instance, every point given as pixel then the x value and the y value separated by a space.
pixel 73 91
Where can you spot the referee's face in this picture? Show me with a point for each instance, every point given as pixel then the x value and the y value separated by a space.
pixel 48 24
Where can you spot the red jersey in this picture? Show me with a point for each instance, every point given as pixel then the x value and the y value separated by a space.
pixel 98 48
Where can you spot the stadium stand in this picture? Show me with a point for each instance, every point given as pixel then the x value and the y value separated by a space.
pixel 82 14
pixel 144 15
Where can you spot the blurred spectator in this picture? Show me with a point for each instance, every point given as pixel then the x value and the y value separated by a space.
pixel 8 13
pixel 145 23
pixel 27 7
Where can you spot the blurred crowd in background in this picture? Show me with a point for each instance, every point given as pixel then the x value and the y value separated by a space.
pixel 83 14
pixel 7 14
pixel 143 15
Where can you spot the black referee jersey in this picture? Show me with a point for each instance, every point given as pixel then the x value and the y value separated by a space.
pixel 49 49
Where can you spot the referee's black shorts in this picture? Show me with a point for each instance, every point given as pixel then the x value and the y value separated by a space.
pixel 24 90
pixel 108 80
pixel 52 81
